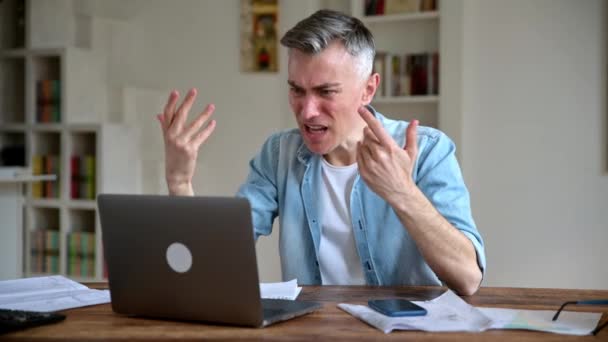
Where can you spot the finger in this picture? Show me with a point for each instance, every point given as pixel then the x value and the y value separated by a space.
pixel 202 136
pixel 370 137
pixel 169 111
pixel 182 112
pixel 364 160
pixel 194 127
pixel 411 139
pixel 161 121
pixel 361 156
pixel 376 127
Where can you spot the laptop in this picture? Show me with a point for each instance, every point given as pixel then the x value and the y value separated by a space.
pixel 187 258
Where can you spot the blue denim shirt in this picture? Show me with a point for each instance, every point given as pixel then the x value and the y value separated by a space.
pixel 284 179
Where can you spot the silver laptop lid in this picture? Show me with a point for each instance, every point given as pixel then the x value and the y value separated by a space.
pixel 190 258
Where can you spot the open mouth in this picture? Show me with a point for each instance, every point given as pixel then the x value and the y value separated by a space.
pixel 315 128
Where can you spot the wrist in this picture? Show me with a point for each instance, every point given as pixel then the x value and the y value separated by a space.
pixel 180 188
pixel 408 201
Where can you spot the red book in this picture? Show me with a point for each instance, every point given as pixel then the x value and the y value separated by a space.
pixel 75 177
pixel 380 7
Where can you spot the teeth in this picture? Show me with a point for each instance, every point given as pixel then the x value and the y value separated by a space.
pixel 316 128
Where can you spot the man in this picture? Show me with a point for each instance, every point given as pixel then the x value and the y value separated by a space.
pixel 361 199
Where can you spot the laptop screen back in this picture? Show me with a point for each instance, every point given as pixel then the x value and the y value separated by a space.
pixel 190 258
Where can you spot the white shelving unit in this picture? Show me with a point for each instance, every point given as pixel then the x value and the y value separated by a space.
pixel 400 34
pixel 48 51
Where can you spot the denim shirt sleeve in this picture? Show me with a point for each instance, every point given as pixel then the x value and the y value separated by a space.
pixel 440 179
pixel 260 187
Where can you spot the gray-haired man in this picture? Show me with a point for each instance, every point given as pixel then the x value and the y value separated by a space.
pixel 361 199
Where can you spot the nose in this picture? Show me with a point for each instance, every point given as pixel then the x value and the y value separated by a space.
pixel 309 107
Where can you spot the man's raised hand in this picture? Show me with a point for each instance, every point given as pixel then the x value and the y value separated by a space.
pixel 385 166
pixel 183 140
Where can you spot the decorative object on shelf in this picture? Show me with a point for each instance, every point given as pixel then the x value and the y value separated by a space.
pixel 259 35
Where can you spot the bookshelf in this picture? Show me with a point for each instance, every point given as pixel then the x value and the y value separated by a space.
pixel 53 109
pixel 406 40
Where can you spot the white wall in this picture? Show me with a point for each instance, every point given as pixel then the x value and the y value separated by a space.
pixel 531 121
pixel 534 139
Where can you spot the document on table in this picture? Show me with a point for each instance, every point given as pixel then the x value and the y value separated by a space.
pixel 54 293
pixel 449 312
pixel 285 290
pixel 51 293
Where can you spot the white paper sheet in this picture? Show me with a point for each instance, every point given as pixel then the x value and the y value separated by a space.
pixel 449 312
pixel 445 313
pixel 284 290
pixel 51 293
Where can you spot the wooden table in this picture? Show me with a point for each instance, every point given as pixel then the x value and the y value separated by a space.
pixel 329 323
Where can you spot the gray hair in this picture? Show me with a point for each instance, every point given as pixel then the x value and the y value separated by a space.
pixel 313 34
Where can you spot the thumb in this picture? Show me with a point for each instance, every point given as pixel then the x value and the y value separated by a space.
pixel 411 139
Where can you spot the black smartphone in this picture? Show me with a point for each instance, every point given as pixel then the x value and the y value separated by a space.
pixel 396 307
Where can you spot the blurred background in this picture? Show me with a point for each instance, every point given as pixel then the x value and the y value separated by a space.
pixel 521 89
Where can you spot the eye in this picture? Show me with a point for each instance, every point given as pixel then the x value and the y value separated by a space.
pixel 296 91
pixel 328 92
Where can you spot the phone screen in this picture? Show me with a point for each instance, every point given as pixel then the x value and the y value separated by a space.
pixel 396 307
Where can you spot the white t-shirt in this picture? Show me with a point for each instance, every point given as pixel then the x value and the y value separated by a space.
pixel 339 261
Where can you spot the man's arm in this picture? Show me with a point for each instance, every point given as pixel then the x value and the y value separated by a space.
pixel 387 169
pixel 182 141
pixel 448 251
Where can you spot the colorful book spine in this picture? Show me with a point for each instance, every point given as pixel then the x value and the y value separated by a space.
pixel 51 165
pixel 44 251
pixel 37 168
pixel 82 177
pixel 48 101
pixel 81 254
pixel 75 177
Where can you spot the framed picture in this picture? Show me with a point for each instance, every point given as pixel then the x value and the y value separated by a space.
pixel 259 37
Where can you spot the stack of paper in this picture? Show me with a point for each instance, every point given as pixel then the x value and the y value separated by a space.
pixel 449 312
pixel 285 290
pixel 56 293
pixel 48 294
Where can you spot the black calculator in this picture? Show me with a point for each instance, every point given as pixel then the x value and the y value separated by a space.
pixel 11 320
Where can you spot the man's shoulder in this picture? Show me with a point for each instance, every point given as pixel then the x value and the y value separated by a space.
pixel 396 128
pixel 290 136
pixel 286 141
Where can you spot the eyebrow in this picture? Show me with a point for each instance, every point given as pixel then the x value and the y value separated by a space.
pixel 321 86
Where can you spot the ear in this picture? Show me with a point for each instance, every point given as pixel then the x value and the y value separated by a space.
pixel 371 85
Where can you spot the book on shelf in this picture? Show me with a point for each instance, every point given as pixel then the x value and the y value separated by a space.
pixel 81 254
pixel 44 247
pixel 411 74
pixel 82 177
pixel 428 5
pixel 387 7
pixel 48 101
pixel 46 164
pixel 401 6
pixel 380 68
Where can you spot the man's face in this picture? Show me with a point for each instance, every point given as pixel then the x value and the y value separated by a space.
pixel 326 90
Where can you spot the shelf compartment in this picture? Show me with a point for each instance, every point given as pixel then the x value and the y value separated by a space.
pixel 12 90
pixel 47 89
pixel 12 25
pixel 12 148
